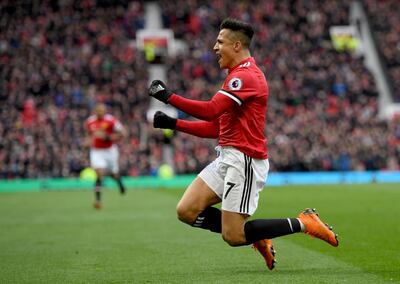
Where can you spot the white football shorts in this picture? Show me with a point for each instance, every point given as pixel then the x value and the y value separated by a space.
pixel 105 159
pixel 237 179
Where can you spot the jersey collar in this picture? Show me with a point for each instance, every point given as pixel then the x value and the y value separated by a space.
pixel 249 59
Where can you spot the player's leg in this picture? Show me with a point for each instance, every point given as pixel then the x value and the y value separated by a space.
pixel 195 207
pixel 245 178
pixel 98 163
pixel 233 233
pixel 118 179
pixel 240 200
pixel 233 228
pixel 98 187
pixel 308 222
pixel 256 230
pixel 113 157
pixel 241 196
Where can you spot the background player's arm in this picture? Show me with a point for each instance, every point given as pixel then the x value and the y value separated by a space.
pixel 87 139
pixel 119 132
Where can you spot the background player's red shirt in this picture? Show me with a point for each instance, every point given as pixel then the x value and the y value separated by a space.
pixel 243 125
pixel 107 124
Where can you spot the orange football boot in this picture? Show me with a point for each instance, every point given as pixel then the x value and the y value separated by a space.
pixel 267 251
pixel 315 228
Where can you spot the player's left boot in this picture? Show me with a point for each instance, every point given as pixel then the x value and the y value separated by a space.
pixel 315 228
pixel 266 249
pixel 122 190
pixel 97 205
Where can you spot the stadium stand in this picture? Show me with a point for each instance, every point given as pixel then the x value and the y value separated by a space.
pixel 57 61
pixel 58 58
pixel 387 36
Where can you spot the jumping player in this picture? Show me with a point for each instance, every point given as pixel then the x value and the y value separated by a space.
pixel 236 115
pixel 104 131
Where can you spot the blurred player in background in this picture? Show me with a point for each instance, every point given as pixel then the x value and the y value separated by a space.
pixel 104 131
pixel 236 115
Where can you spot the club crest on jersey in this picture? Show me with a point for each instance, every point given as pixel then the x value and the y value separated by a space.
pixel 235 84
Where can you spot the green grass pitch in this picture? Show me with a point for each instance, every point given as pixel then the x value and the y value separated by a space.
pixel 57 237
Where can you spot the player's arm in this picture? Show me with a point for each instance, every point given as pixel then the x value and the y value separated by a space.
pixel 87 139
pixel 205 110
pixel 204 129
pixel 119 132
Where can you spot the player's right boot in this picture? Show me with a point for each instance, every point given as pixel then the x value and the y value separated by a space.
pixel 97 205
pixel 315 228
pixel 266 249
pixel 122 190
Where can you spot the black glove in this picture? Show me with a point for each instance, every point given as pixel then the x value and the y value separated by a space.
pixel 159 91
pixel 161 120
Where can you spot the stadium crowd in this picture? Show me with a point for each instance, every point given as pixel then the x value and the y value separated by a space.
pixel 59 58
pixel 387 37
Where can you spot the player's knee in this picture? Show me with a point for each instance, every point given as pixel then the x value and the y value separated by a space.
pixel 184 214
pixel 115 176
pixel 99 175
pixel 232 238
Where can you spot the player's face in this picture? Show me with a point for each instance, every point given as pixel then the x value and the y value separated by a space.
pixel 224 49
pixel 100 110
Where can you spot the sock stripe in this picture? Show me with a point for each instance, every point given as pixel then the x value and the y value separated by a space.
pixel 209 219
pixel 290 224
pixel 199 221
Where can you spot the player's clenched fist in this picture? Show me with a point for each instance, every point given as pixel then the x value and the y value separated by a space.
pixel 161 120
pixel 159 91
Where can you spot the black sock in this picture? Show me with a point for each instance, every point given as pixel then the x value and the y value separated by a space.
pixel 121 185
pixel 97 195
pixel 209 219
pixel 97 189
pixel 270 228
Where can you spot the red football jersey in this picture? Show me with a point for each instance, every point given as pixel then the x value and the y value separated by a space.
pixel 243 125
pixel 108 124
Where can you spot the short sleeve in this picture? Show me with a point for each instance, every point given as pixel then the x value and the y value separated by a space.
pixel 117 126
